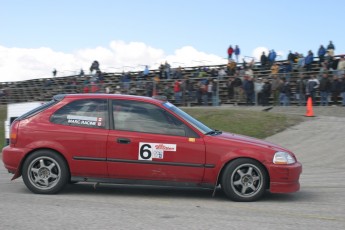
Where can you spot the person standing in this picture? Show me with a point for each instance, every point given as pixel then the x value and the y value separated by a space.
pixel 330 48
pixel 291 58
pixel 215 95
pixel 177 91
pixel 309 60
pixel 248 87
pixel 285 92
pixel 125 81
pixel 258 85
pixel 161 71
pixel 237 52
pixel 146 71
pixel 230 88
pixel 325 88
pixel 167 70
pixel 276 84
pixel 168 91
pixel 231 67
pixel 238 89
pixel 266 92
pixel 199 92
pixel 300 63
pixel 272 57
pixel 321 53
pixel 230 52
pixel 300 90
pixel 335 89
pixel 311 87
pixel 263 60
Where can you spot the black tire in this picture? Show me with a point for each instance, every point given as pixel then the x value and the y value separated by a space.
pixel 244 180
pixel 45 172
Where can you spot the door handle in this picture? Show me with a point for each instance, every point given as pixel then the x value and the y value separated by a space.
pixel 122 140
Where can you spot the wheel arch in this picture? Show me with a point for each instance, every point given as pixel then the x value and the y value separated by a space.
pixel 20 168
pixel 221 171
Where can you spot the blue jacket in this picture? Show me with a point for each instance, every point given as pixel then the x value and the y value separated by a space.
pixel 321 51
pixel 309 59
pixel 237 51
pixel 272 56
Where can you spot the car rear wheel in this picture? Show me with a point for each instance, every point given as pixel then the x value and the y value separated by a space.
pixel 45 172
pixel 244 180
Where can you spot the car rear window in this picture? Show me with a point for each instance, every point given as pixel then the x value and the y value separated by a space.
pixel 90 113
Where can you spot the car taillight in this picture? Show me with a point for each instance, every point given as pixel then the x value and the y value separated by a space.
pixel 14 132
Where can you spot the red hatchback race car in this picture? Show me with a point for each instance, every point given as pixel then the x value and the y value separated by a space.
pixel 126 139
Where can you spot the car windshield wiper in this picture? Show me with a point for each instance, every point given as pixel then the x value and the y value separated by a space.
pixel 214 132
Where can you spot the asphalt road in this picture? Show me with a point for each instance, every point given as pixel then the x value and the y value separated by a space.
pixel 318 144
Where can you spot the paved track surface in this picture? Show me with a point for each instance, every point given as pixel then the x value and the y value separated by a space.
pixel 319 144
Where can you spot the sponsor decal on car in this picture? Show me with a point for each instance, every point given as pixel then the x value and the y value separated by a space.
pixel 149 151
pixel 84 120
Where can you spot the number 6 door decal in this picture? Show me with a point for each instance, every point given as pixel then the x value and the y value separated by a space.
pixel 145 152
pixel 149 151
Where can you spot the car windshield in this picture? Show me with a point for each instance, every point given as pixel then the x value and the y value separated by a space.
pixel 194 122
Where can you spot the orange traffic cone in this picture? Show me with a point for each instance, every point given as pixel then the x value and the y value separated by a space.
pixel 309 112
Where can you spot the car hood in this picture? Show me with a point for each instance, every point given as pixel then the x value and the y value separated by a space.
pixel 250 140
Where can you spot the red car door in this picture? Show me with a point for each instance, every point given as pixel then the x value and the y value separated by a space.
pixel 149 143
pixel 81 128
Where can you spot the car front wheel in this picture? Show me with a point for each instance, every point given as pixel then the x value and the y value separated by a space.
pixel 244 180
pixel 45 172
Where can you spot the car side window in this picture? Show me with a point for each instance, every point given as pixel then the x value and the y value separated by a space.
pixel 147 118
pixel 91 113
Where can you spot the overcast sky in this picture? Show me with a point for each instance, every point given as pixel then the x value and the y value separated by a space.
pixel 37 36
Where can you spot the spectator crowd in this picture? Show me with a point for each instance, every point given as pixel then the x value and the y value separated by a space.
pixel 266 82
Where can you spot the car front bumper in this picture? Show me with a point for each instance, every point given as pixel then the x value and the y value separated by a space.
pixel 285 178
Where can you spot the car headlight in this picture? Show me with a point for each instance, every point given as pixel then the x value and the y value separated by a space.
pixel 283 158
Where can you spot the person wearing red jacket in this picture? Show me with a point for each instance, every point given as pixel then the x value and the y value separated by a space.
pixel 177 91
pixel 230 52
